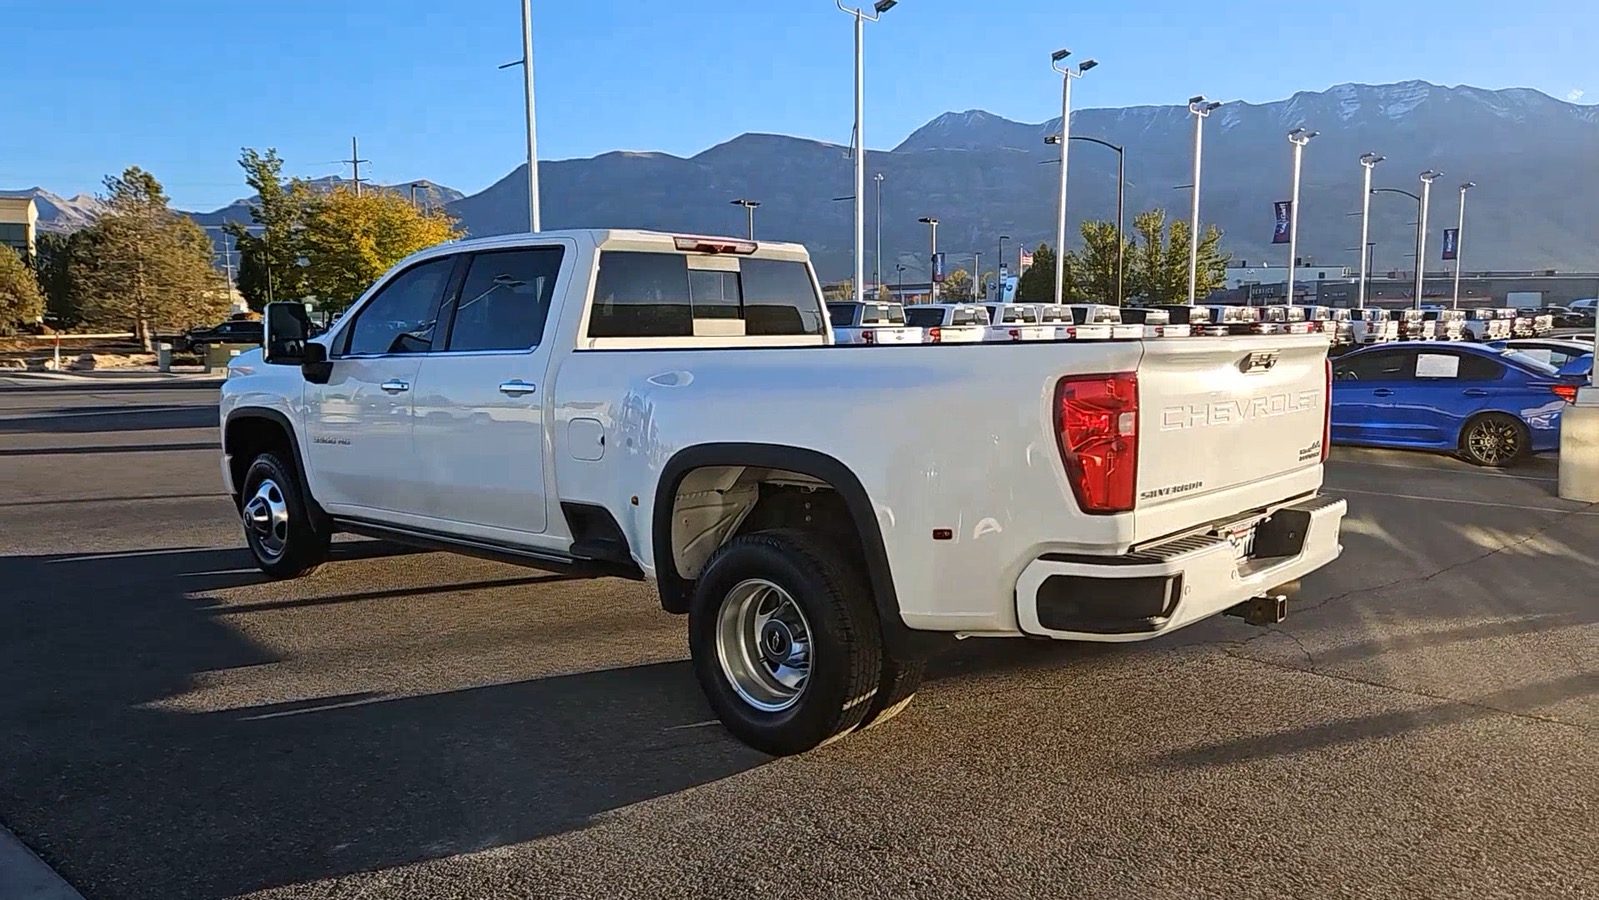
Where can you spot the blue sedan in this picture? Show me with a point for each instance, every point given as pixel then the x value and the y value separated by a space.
pixel 1492 407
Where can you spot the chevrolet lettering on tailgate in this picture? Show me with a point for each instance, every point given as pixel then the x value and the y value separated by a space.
pixel 1239 411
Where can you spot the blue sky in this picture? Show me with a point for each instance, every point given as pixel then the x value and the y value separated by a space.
pixel 178 86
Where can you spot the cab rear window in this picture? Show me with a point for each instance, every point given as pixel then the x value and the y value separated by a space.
pixel 639 294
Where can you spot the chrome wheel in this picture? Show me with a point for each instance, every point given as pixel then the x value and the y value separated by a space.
pixel 1494 441
pixel 266 518
pixel 764 645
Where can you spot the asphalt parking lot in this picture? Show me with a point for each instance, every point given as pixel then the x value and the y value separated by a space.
pixel 407 725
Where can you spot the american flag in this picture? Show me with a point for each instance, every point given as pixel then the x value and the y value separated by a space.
pixel 1025 260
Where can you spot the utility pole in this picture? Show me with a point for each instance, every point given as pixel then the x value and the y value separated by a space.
pixel 877 276
pixel 1421 232
pixel 526 62
pixel 977 275
pixel 355 161
pixel 1201 109
pixel 1460 232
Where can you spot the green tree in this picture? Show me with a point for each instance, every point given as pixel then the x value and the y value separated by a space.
pixel 21 301
pixel 1157 269
pixel 839 291
pixel 956 287
pixel 143 266
pixel 351 239
pixel 270 250
pixel 1094 268
pixel 1037 284
pixel 54 266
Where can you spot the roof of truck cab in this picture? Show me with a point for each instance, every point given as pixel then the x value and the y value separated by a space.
pixel 597 237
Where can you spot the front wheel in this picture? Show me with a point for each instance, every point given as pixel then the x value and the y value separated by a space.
pixel 1494 439
pixel 785 641
pixel 277 525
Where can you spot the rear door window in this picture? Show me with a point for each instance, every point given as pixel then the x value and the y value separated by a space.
pixel 505 300
pixel 1389 365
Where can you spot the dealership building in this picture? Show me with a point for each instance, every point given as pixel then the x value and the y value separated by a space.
pixel 19 225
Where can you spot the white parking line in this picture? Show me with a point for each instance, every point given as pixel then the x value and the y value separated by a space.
pixel 1579 510
pixel 24 876
pixel 1361 462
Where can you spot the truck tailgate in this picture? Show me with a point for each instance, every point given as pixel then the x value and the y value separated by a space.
pixel 1227 425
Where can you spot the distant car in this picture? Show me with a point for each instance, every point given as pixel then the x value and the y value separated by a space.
pixel 1490 407
pixel 949 323
pixel 871 323
pixel 233 331
pixel 1590 305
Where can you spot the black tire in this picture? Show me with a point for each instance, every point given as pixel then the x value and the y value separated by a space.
pixel 282 549
pixel 896 688
pixel 1495 440
pixel 845 656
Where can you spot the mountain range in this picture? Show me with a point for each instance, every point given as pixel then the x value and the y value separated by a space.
pixel 1534 159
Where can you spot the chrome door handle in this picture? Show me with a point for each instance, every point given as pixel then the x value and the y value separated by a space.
pixel 516 388
pixel 1475 392
pixel 395 387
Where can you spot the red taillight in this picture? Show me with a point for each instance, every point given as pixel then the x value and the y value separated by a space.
pixel 869 337
pixel 1096 421
pixel 1566 392
pixel 934 335
pixel 1015 334
pixel 1160 330
pixel 1326 422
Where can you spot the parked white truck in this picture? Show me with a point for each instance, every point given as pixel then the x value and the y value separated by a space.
pixel 669 407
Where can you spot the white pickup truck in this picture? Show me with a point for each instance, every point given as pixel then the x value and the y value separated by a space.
pixel 669 407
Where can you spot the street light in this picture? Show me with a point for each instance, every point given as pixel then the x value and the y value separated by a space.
pixel 861 18
pixel 749 210
pixel 1427 178
pixel 1368 161
pixel 1121 189
pixel 1201 110
pixel 1064 139
pixel 877 258
pixel 1299 137
pixel 932 224
pixel 1419 226
pixel 1460 231
pixel 901 270
pixel 526 62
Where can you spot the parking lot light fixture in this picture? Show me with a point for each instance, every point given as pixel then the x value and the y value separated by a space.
pixel 932 225
pixel 1201 109
pixel 1299 137
pixel 861 18
pixel 1460 236
pixel 749 210
pixel 1368 161
pixel 1427 178
pixel 1056 61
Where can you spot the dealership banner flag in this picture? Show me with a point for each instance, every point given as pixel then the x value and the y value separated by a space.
pixel 1451 243
pixel 938 268
pixel 1284 210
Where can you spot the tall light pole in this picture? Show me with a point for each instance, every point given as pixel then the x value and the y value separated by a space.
pixel 1427 178
pixel 861 18
pixel 1066 76
pixel 932 226
pixel 749 211
pixel 977 275
pixel 1368 161
pixel 526 62
pixel 1201 110
pixel 1299 137
pixel 1460 231
pixel 877 258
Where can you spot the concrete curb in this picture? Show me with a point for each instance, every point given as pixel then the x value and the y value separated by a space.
pixel 24 876
pixel 109 378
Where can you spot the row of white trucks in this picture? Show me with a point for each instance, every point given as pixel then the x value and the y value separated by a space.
pixel 883 322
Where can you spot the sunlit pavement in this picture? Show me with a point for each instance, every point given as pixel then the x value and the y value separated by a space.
pixel 416 725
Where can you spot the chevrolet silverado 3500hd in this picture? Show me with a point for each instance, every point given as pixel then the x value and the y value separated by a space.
pixel 670 407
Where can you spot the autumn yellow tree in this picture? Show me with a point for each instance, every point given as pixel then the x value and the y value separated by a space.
pixel 351 239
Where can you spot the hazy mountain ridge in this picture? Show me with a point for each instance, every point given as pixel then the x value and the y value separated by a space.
pixel 1535 159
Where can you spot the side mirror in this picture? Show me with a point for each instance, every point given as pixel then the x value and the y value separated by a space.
pixel 285 328
pixel 314 363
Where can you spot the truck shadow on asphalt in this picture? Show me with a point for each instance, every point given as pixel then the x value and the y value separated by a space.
pixel 121 417
pixel 129 796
